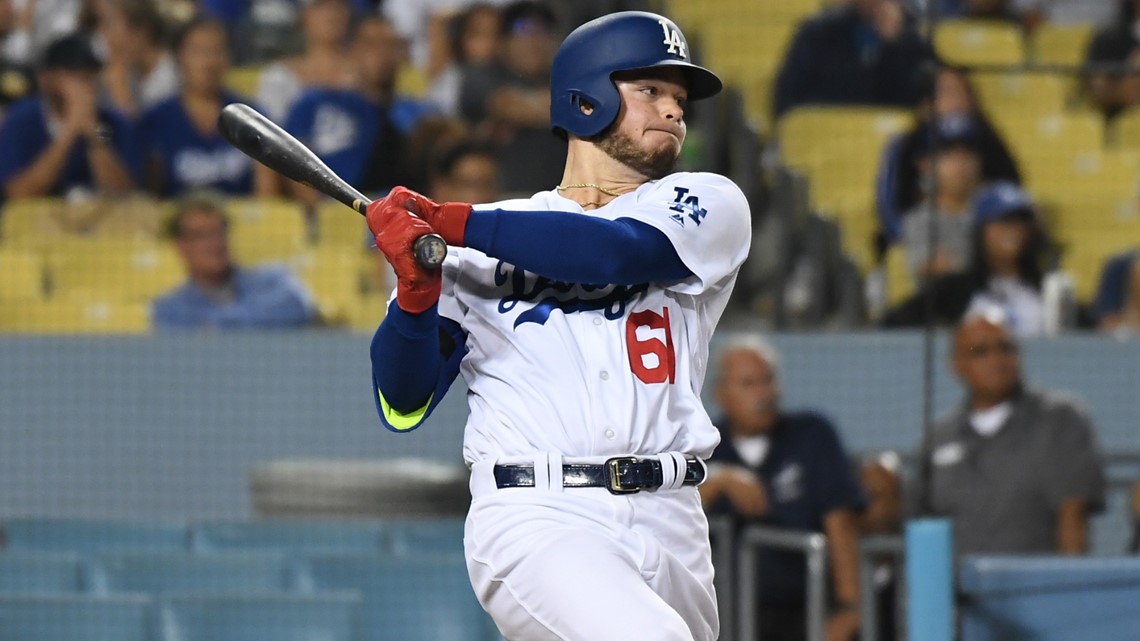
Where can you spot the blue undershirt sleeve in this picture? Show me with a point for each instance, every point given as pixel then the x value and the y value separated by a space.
pixel 576 249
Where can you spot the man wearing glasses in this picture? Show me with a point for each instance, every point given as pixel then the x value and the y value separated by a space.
pixel 1016 469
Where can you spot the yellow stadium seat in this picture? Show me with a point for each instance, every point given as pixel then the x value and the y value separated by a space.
pixel 970 43
pixel 266 230
pixel 40 222
pixel 112 270
pixel 339 226
pixel 1064 45
pixel 1087 188
pixel 900 282
pixel 21 276
pixel 1084 253
pixel 698 13
pixel 412 81
pixel 366 312
pixel 1125 131
pixel 1043 143
pixel 332 276
pixel 243 80
pixel 74 317
pixel 1019 94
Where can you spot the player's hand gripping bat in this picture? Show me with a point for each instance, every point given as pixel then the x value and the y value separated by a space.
pixel 259 138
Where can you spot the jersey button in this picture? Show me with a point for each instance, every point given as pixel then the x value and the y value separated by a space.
pixel 610 434
pixel 605 375
pixel 597 321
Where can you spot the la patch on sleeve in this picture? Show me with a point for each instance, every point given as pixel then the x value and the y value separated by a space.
pixel 687 206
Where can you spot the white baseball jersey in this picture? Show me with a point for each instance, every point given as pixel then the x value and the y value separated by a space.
pixel 599 370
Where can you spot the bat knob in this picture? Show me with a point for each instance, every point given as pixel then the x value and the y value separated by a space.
pixel 430 250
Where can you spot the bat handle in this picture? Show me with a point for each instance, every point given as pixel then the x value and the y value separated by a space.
pixel 429 249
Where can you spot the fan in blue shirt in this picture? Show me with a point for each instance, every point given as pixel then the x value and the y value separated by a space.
pixel 184 149
pixel 362 134
pixel 64 140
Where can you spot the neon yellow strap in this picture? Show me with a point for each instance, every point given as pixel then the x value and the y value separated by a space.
pixel 403 422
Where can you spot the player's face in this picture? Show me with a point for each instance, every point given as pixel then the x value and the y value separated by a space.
pixel 748 392
pixel 986 359
pixel 650 127
pixel 203 242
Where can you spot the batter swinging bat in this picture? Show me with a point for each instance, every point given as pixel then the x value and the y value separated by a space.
pixel 259 138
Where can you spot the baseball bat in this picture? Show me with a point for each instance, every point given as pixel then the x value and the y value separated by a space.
pixel 261 139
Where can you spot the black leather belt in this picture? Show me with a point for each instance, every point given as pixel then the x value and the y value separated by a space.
pixel 619 475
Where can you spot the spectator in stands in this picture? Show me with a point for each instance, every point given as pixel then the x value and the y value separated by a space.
pixel 180 134
pixel 880 478
pixel 218 293
pixel 362 133
pixel 509 101
pixel 16 81
pixel 1007 269
pixel 863 52
pixel 1117 305
pixel 1107 56
pixel 323 63
pixel 63 142
pixel 467 173
pixel 140 71
pixel 946 97
pixel 423 23
pixel 784 469
pixel 1016 469
pixel 38 23
pixel 473 36
pixel 954 167
pixel 1066 12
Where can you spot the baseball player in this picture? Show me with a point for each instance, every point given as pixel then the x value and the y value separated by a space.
pixel 579 319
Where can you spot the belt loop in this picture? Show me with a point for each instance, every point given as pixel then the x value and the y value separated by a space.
pixel 554 461
pixel 673 469
pixel 542 471
pixel 483 478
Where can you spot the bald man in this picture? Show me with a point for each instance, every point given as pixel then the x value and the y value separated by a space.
pixel 784 469
pixel 1016 469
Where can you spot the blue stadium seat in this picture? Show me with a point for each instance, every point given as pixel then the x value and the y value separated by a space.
pixel 432 535
pixel 406 598
pixel 187 572
pixel 39 573
pixel 288 536
pixel 87 536
pixel 258 617
pixel 74 618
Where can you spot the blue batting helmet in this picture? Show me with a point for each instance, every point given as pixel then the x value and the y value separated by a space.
pixel 623 41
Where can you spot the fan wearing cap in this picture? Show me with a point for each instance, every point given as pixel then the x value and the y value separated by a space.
pixel 580 320
pixel 63 142
pixel 1006 270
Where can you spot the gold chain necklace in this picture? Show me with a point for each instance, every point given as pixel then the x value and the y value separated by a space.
pixel 604 190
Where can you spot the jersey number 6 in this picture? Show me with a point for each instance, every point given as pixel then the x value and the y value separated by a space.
pixel 651 358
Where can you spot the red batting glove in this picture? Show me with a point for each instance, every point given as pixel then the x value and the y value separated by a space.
pixel 448 220
pixel 397 229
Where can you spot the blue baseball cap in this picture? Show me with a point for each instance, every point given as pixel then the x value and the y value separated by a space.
pixel 949 132
pixel 1002 199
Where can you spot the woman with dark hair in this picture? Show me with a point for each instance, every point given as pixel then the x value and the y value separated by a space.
pixel 1007 270
pixel 474 37
pixel 904 170
pixel 180 134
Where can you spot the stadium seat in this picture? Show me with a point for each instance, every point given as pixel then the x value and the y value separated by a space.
pixel 243 81
pixel 21 276
pixel 1020 94
pixel 38 223
pixel 406 598
pixel 1063 45
pixel 156 572
pixel 331 274
pixel 426 536
pixel 1084 253
pixel 266 230
pixel 259 617
pixel 1125 131
pixel 288 535
pixel 900 283
pixel 74 317
pixel 1043 143
pixel 40 572
pixel 74 618
pixel 366 313
pixel 112 270
pixel 969 43
pixel 91 536
pixel 338 226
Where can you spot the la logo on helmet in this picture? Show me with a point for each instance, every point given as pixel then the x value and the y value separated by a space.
pixel 673 39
